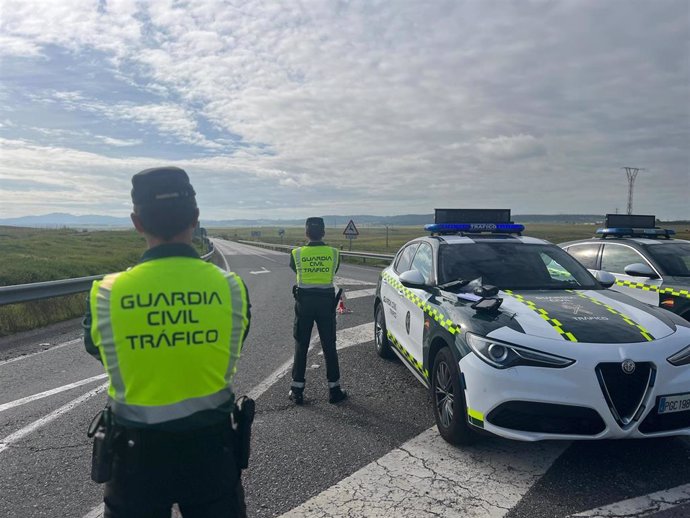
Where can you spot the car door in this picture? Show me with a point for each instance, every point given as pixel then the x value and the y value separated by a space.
pixel 411 319
pixel 392 296
pixel 614 258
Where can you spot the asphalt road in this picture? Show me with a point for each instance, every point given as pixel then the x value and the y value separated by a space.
pixel 375 455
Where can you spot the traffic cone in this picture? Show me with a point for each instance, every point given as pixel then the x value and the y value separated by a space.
pixel 341 306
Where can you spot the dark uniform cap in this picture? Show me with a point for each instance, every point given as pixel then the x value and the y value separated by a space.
pixel 315 223
pixel 162 184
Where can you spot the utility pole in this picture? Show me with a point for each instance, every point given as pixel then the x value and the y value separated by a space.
pixel 386 237
pixel 631 173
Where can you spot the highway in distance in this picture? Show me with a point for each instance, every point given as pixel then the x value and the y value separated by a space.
pixel 376 455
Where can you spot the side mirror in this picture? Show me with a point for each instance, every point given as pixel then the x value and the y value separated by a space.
pixel 412 279
pixel 640 270
pixel 606 279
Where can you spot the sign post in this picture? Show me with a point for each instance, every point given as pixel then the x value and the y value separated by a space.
pixel 351 232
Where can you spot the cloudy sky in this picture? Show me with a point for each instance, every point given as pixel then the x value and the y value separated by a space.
pixel 289 109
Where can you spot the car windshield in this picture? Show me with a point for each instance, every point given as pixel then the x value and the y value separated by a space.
pixel 513 265
pixel 674 258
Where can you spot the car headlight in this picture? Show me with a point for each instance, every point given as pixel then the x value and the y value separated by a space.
pixel 503 355
pixel 681 358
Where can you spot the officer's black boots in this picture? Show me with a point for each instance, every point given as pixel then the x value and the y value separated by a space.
pixel 336 395
pixel 296 395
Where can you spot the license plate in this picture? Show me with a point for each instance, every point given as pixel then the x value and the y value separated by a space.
pixel 669 404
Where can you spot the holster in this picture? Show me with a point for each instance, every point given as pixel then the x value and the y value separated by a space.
pixel 103 431
pixel 242 419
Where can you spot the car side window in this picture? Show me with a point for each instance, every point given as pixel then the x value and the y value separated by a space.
pixel 585 254
pixel 615 258
pixel 556 271
pixel 423 261
pixel 402 264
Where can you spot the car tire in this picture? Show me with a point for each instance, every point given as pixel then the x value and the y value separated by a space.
pixel 383 345
pixel 448 399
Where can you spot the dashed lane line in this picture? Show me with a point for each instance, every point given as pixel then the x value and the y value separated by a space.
pixel 427 477
pixel 51 392
pixel 642 505
pixel 20 434
pixel 27 356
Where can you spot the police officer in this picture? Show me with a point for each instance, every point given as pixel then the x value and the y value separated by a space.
pixel 169 332
pixel 315 265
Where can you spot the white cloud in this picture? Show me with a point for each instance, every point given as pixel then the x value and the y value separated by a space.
pixel 511 148
pixel 17 46
pixel 119 142
pixel 364 107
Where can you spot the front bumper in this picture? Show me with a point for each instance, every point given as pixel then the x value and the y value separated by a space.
pixel 492 394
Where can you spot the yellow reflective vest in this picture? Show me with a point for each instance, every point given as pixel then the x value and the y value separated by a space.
pixel 315 265
pixel 169 332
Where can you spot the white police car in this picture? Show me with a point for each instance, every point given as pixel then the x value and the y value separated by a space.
pixel 514 337
pixel 646 262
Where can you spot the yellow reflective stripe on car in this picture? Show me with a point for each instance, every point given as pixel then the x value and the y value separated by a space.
pixel 445 322
pixel 412 361
pixel 644 332
pixel 475 417
pixel 650 287
pixel 555 323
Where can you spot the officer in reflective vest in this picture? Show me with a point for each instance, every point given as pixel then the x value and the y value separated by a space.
pixel 169 332
pixel 315 265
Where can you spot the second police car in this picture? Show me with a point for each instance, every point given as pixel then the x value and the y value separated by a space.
pixel 648 264
pixel 514 337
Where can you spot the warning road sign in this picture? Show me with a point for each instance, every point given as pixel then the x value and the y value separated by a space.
pixel 351 231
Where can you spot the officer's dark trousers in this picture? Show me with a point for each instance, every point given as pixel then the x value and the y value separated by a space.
pixel 319 308
pixel 196 470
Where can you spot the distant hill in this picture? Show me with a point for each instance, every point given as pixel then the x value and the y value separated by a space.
pixel 57 220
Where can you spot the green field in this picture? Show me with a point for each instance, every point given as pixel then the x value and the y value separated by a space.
pixel 30 255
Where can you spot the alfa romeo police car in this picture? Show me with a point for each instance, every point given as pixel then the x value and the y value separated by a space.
pixel 647 263
pixel 514 337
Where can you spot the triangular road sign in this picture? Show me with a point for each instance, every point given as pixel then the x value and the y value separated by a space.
pixel 350 229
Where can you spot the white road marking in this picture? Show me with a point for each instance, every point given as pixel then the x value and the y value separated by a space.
pixel 642 505
pixel 428 477
pixel 359 293
pixel 354 336
pixel 352 282
pixel 20 434
pixel 51 392
pixel 345 338
pixel 27 356
pixel 263 270
pixel 96 512
pixel 222 255
pixel 248 250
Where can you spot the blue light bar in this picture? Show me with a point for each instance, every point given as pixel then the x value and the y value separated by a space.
pixel 639 232
pixel 510 228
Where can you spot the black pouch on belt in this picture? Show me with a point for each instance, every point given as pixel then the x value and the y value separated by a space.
pixel 242 419
pixel 102 429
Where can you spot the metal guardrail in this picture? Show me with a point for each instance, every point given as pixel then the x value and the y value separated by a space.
pixel 49 289
pixel 344 253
